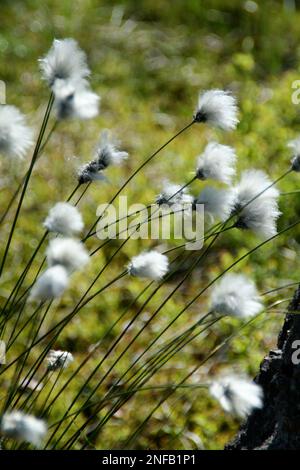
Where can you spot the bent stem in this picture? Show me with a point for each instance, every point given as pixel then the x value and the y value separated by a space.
pixel 14 196
pixel 148 160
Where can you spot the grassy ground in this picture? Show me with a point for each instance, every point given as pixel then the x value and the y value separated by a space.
pixel 149 61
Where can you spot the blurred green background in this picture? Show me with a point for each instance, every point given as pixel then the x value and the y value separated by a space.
pixel 149 60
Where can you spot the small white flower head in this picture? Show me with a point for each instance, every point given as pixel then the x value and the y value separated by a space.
pixel 218 108
pixel 64 61
pixel 21 427
pixel 261 214
pixel 50 285
pixel 58 359
pixel 75 100
pixel 217 162
pixel 236 295
pixel 15 136
pixel 175 196
pixel 295 146
pixel 218 203
pixel 68 252
pixel 237 396
pixel 65 219
pixel 151 265
pixel 107 154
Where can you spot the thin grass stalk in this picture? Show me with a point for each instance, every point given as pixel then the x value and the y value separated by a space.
pixel 129 393
pixel 98 344
pixel 145 162
pixel 15 195
pixel 186 377
pixel 35 335
pixel 247 254
pixel 19 283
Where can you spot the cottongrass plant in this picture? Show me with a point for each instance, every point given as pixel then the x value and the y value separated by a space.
pixel 114 371
pixel 15 135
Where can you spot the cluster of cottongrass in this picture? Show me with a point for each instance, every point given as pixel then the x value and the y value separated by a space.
pixel 246 202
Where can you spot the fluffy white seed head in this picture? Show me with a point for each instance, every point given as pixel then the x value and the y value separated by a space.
pixel 107 154
pixel 64 61
pixel 173 195
pixel 218 203
pixel 15 136
pixel 68 252
pixel 294 145
pixel 58 359
pixel 64 218
pixel 236 295
pixel 21 427
pixel 217 162
pixel 50 285
pixel 218 108
pixel 237 396
pixel 75 100
pixel 151 265
pixel 261 214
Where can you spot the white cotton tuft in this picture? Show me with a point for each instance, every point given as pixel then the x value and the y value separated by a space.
pixel 217 162
pixel 64 61
pixel 58 359
pixel 175 196
pixel 218 203
pixel 237 396
pixel 75 100
pixel 151 265
pixel 218 108
pixel 15 136
pixel 236 295
pixel 51 284
pixel 21 427
pixel 65 219
pixel 67 252
pixel 261 214
pixel 107 154
pixel 294 145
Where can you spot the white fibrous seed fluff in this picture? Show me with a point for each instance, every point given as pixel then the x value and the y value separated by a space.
pixel 151 265
pixel 58 359
pixel 50 285
pixel 217 108
pixel 22 427
pixel 257 203
pixel 107 154
pixel 64 61
pixel 175 196
pixel 218 203
pixel 235 295
pixel 217 162
pixel 294 145
pixel 237 396
pixel 68 252
pixel 64 218
pixel 15 136
pixel 75 100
